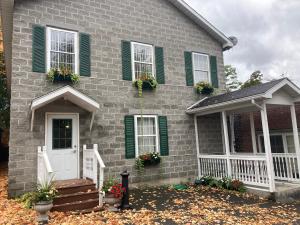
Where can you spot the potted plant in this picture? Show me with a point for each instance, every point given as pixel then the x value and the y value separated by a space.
pixel 113 193
pixel 148 159
pixel 41 199
pixel 145 82
pixel 204 88
pixel 62 74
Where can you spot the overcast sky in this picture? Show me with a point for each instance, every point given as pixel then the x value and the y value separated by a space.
pixel 268 32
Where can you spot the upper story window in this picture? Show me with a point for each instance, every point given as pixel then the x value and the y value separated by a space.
pixel 62 49
pixel 146 134
pixel 142 59
pixel 201 68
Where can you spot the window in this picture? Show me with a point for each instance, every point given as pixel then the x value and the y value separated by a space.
pixel 146 134
pixel 201 68
pixel 62 49
pixel 143 59
pixel 61 133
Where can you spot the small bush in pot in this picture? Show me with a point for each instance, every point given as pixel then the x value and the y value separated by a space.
pixel 204 88
pixel 41 199
pixel 113 193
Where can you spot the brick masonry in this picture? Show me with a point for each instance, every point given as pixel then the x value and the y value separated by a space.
pixel 108 22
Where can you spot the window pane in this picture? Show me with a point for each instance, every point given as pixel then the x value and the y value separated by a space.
pixel 143 53
pixel 146 126
pixel 200 62
pixel 290 143
pixel 146 144
pixel 142 69
pixel 61 133
pixel 200 76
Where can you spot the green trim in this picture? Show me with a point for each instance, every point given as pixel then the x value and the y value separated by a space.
pixel 163 135
pixel 214 71
pixel 84 55
pixel 126 61
pixel 159 62
pixel 129 137
pixel 38 49
pixel 189 68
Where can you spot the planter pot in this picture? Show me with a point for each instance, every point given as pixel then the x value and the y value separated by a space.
pixel 60 78
pixel 43 208
pixel 112 202
pixel 146 85
pixel 151 162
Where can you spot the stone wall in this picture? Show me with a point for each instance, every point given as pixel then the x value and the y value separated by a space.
pixel 108 22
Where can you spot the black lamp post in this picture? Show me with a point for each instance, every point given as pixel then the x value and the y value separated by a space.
pixel 125 198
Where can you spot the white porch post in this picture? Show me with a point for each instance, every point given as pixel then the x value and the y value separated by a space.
pixel 269 158
pixel 254 144
pixel 296 134
pixel 232 134
pixel 197 145
pixel 226 140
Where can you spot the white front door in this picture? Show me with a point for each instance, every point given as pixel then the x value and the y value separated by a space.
pixel 62 144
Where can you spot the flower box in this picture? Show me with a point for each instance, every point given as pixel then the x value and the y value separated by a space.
pixel 204 88
pixel 147 160
pixel 147 85
pixel 64 75
pixel 60 78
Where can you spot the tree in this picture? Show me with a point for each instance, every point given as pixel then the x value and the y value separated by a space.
pixel 232 82
pixel 4 96
pixel 255 79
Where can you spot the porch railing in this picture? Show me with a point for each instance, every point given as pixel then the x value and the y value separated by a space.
pixel 286 167
pixel 44 168
pixel 91 159
pixel 252 170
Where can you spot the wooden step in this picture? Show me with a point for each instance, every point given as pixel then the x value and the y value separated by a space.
pixel 78 205
pixel 75 197
pixel 76 189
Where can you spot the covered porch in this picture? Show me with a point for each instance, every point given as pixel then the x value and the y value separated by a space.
pixel 251 135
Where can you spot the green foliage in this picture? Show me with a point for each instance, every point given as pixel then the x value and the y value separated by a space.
pixel 232 82
pixel 107 184
pixel 224 183
pixel 45 192
pixel 62 74
pixel 204 88
pixel 147 159
pixel 255 79
pixel 145 81
pixel 4 96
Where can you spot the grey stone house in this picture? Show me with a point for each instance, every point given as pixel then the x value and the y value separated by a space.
pixel 109 44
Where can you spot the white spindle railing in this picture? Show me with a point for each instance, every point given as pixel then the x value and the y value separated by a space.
pixel 249 169
pixel 286 167
pixel 44 168
pixel 213 165
pixel 91 159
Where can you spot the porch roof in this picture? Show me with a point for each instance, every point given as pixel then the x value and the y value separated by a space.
pixel 69 94
pixel 261 91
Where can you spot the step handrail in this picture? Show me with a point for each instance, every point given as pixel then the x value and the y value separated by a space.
pixel 44 176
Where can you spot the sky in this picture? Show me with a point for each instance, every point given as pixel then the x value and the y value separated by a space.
pixel 268 33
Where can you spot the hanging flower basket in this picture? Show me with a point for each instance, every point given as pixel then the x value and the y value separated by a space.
pixel 56 75
pixel 204 88
pixel 145 82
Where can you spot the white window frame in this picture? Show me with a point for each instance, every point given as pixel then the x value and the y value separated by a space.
pixel 284 140
pixel 133 61
pixel 208 69
pixel 48 47
pixel 136 132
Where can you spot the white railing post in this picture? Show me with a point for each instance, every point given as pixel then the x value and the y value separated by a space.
pixel 197 146
pixel 95 165
pixel 296 135
pixel 226 140
pixel 45 172
pixel 266 133
pixel 253 136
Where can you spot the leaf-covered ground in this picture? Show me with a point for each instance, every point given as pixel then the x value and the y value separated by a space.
pixel 167 206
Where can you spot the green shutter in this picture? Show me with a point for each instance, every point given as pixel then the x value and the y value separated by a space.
pixel 163 135
pixel 84 54
pixel 214 71
pixel 189 68
pixel 126 60
pixel 129 137
pixel 38 49
pixel 159 62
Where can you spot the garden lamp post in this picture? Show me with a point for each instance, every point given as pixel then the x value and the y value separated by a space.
pixel 125 198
